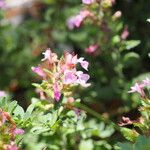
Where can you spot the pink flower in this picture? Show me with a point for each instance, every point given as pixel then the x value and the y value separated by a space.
pixel 18 131
pixel 137 88
pixel 76 21
pixel 38 70
pixel 12 146
pixel 146 82
pixel 69 77
pixel 3 94
pixel 91 49
pixel 125 33
pixel 85 13
pixel 83 63
pixel 70 60
pixel 88 1
pixel 48 55
pixel 125 121
pixel 71 23
pixel 57 92
pixel 82 78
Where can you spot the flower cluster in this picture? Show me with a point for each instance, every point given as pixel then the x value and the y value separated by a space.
pixel 8 131
pixel 139 87
pixel 61 75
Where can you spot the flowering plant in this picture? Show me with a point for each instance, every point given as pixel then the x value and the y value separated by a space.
pixel 142 124
pixel 56 112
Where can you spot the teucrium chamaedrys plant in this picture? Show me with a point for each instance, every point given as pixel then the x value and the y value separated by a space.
pixel 56 113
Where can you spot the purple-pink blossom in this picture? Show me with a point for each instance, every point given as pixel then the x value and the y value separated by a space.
pixel 125 33
pixel 125 121
pixel 48 55
pixel 18 131
pixel 38 70
pixel 70 60
pixel 146 82
pixel 83 63
pixel 12 146
pixel 57 92
pixel 75 21
pixel 137 88
pixel 3 94
pixel 88 1
pixel 70 77
pixel 82 79
pixel 91 49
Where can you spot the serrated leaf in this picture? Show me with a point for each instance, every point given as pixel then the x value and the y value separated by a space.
pixel 12 106
pixel 3 102
pixel 129 134
pixel 19 111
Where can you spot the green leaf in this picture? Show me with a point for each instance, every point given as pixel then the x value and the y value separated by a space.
pixel 3 102
pixel 12 106
pixel 131 58
pixel 148 20
pixel 86 145
pixel 19 112
pixel 129 134
pixel 131 44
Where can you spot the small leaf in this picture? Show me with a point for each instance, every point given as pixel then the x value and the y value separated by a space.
pixel 19 112
pixel 129 134
pixel 12 106
pixel 87 144
pixel 131 44
pixel 148 20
